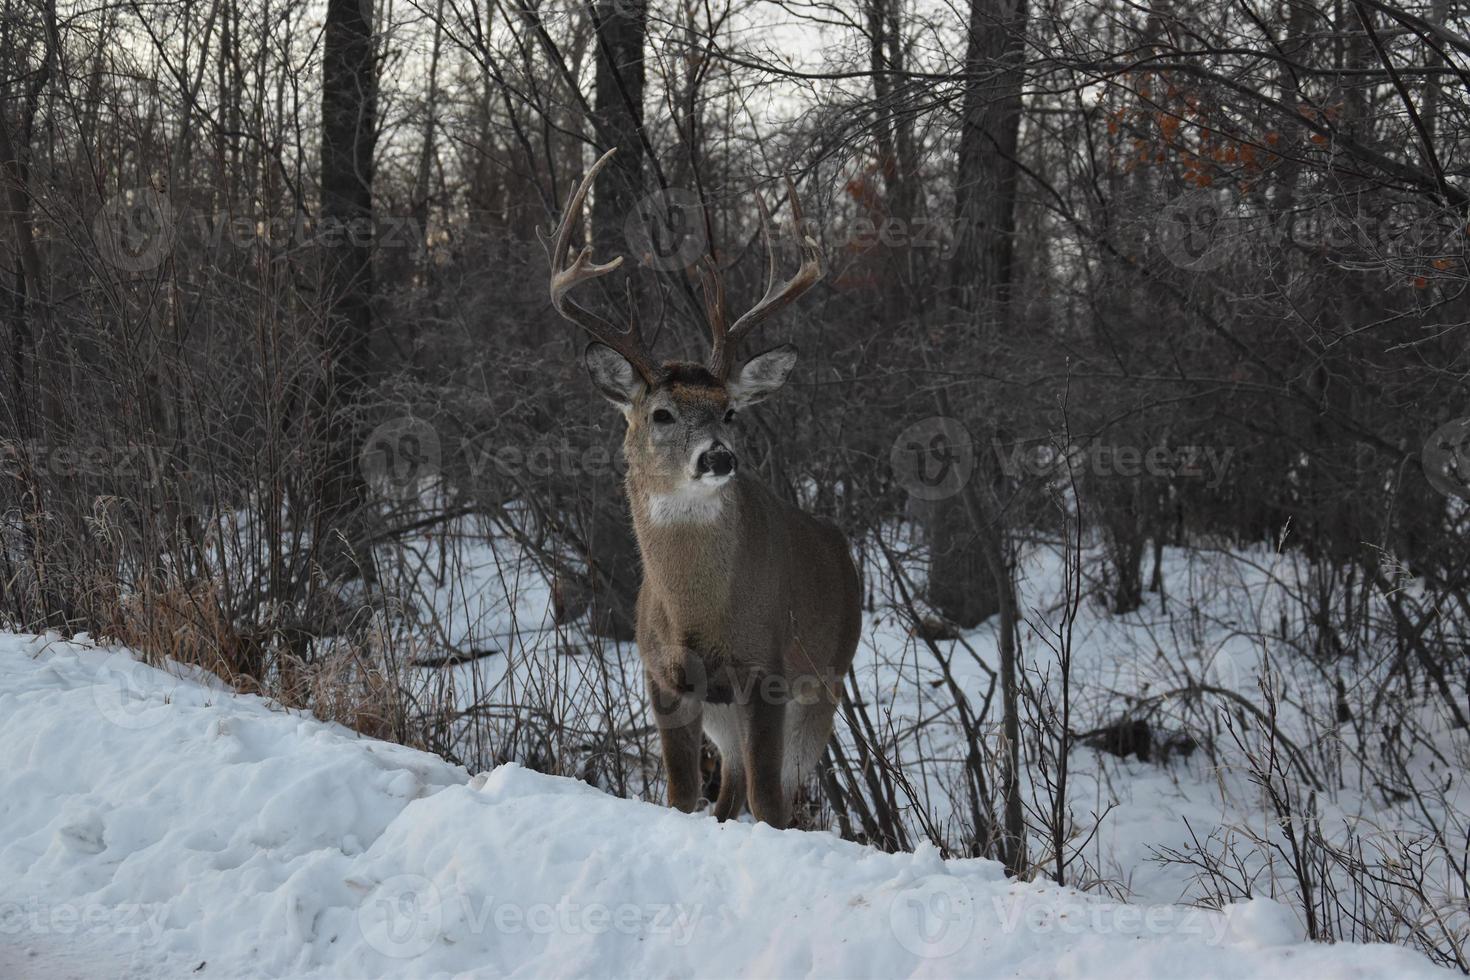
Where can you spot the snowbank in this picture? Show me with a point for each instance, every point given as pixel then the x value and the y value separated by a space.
pixel 153 825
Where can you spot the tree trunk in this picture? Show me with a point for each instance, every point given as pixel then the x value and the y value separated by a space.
pixel 981 280
pixel 621 27
pixel 29 319
pixel 960 587
pixel 985 190
pixel 349 133
pixel 618 118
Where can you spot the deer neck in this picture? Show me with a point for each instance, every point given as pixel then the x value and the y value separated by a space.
pixel 688 541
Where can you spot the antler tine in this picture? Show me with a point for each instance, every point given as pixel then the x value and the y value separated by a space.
pixel 564 277
pixel 777 297
pixel 713 287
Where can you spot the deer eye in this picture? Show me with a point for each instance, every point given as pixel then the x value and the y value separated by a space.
pixel 663 416
pixel 729 415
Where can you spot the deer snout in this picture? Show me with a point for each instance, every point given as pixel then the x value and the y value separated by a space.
pixel 716 461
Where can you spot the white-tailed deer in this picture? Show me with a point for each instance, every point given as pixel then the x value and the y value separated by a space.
pixel 748 616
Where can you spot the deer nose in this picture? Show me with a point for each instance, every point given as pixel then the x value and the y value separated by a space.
pixel 717 460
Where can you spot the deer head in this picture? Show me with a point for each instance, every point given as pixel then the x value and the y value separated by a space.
pixel 682 438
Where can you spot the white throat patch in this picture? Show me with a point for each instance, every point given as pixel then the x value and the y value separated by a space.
pixel 695 503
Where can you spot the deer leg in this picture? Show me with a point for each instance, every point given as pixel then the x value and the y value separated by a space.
pixel 681 764
pixel 732 788
pixel 764 753
pixel 722 725
pixel 681 734
pixel 806 736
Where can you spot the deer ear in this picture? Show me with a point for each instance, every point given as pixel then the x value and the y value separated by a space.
pixel 761 375
pixel 613 374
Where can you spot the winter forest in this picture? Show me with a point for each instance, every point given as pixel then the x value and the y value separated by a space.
pixel 1130 362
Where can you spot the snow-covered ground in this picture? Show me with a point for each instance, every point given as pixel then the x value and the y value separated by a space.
pixel 1227 613
pixel 158 825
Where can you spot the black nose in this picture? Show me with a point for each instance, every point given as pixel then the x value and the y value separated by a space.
pixel 717 460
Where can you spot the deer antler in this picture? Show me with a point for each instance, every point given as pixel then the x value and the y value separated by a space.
pixel 564 278
pixel 726 340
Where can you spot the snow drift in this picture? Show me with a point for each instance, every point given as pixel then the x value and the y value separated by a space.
pixel 158 825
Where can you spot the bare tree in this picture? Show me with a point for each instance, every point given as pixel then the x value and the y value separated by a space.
pixel 349 138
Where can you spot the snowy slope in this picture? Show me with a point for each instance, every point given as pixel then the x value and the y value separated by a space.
pixel 158 826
